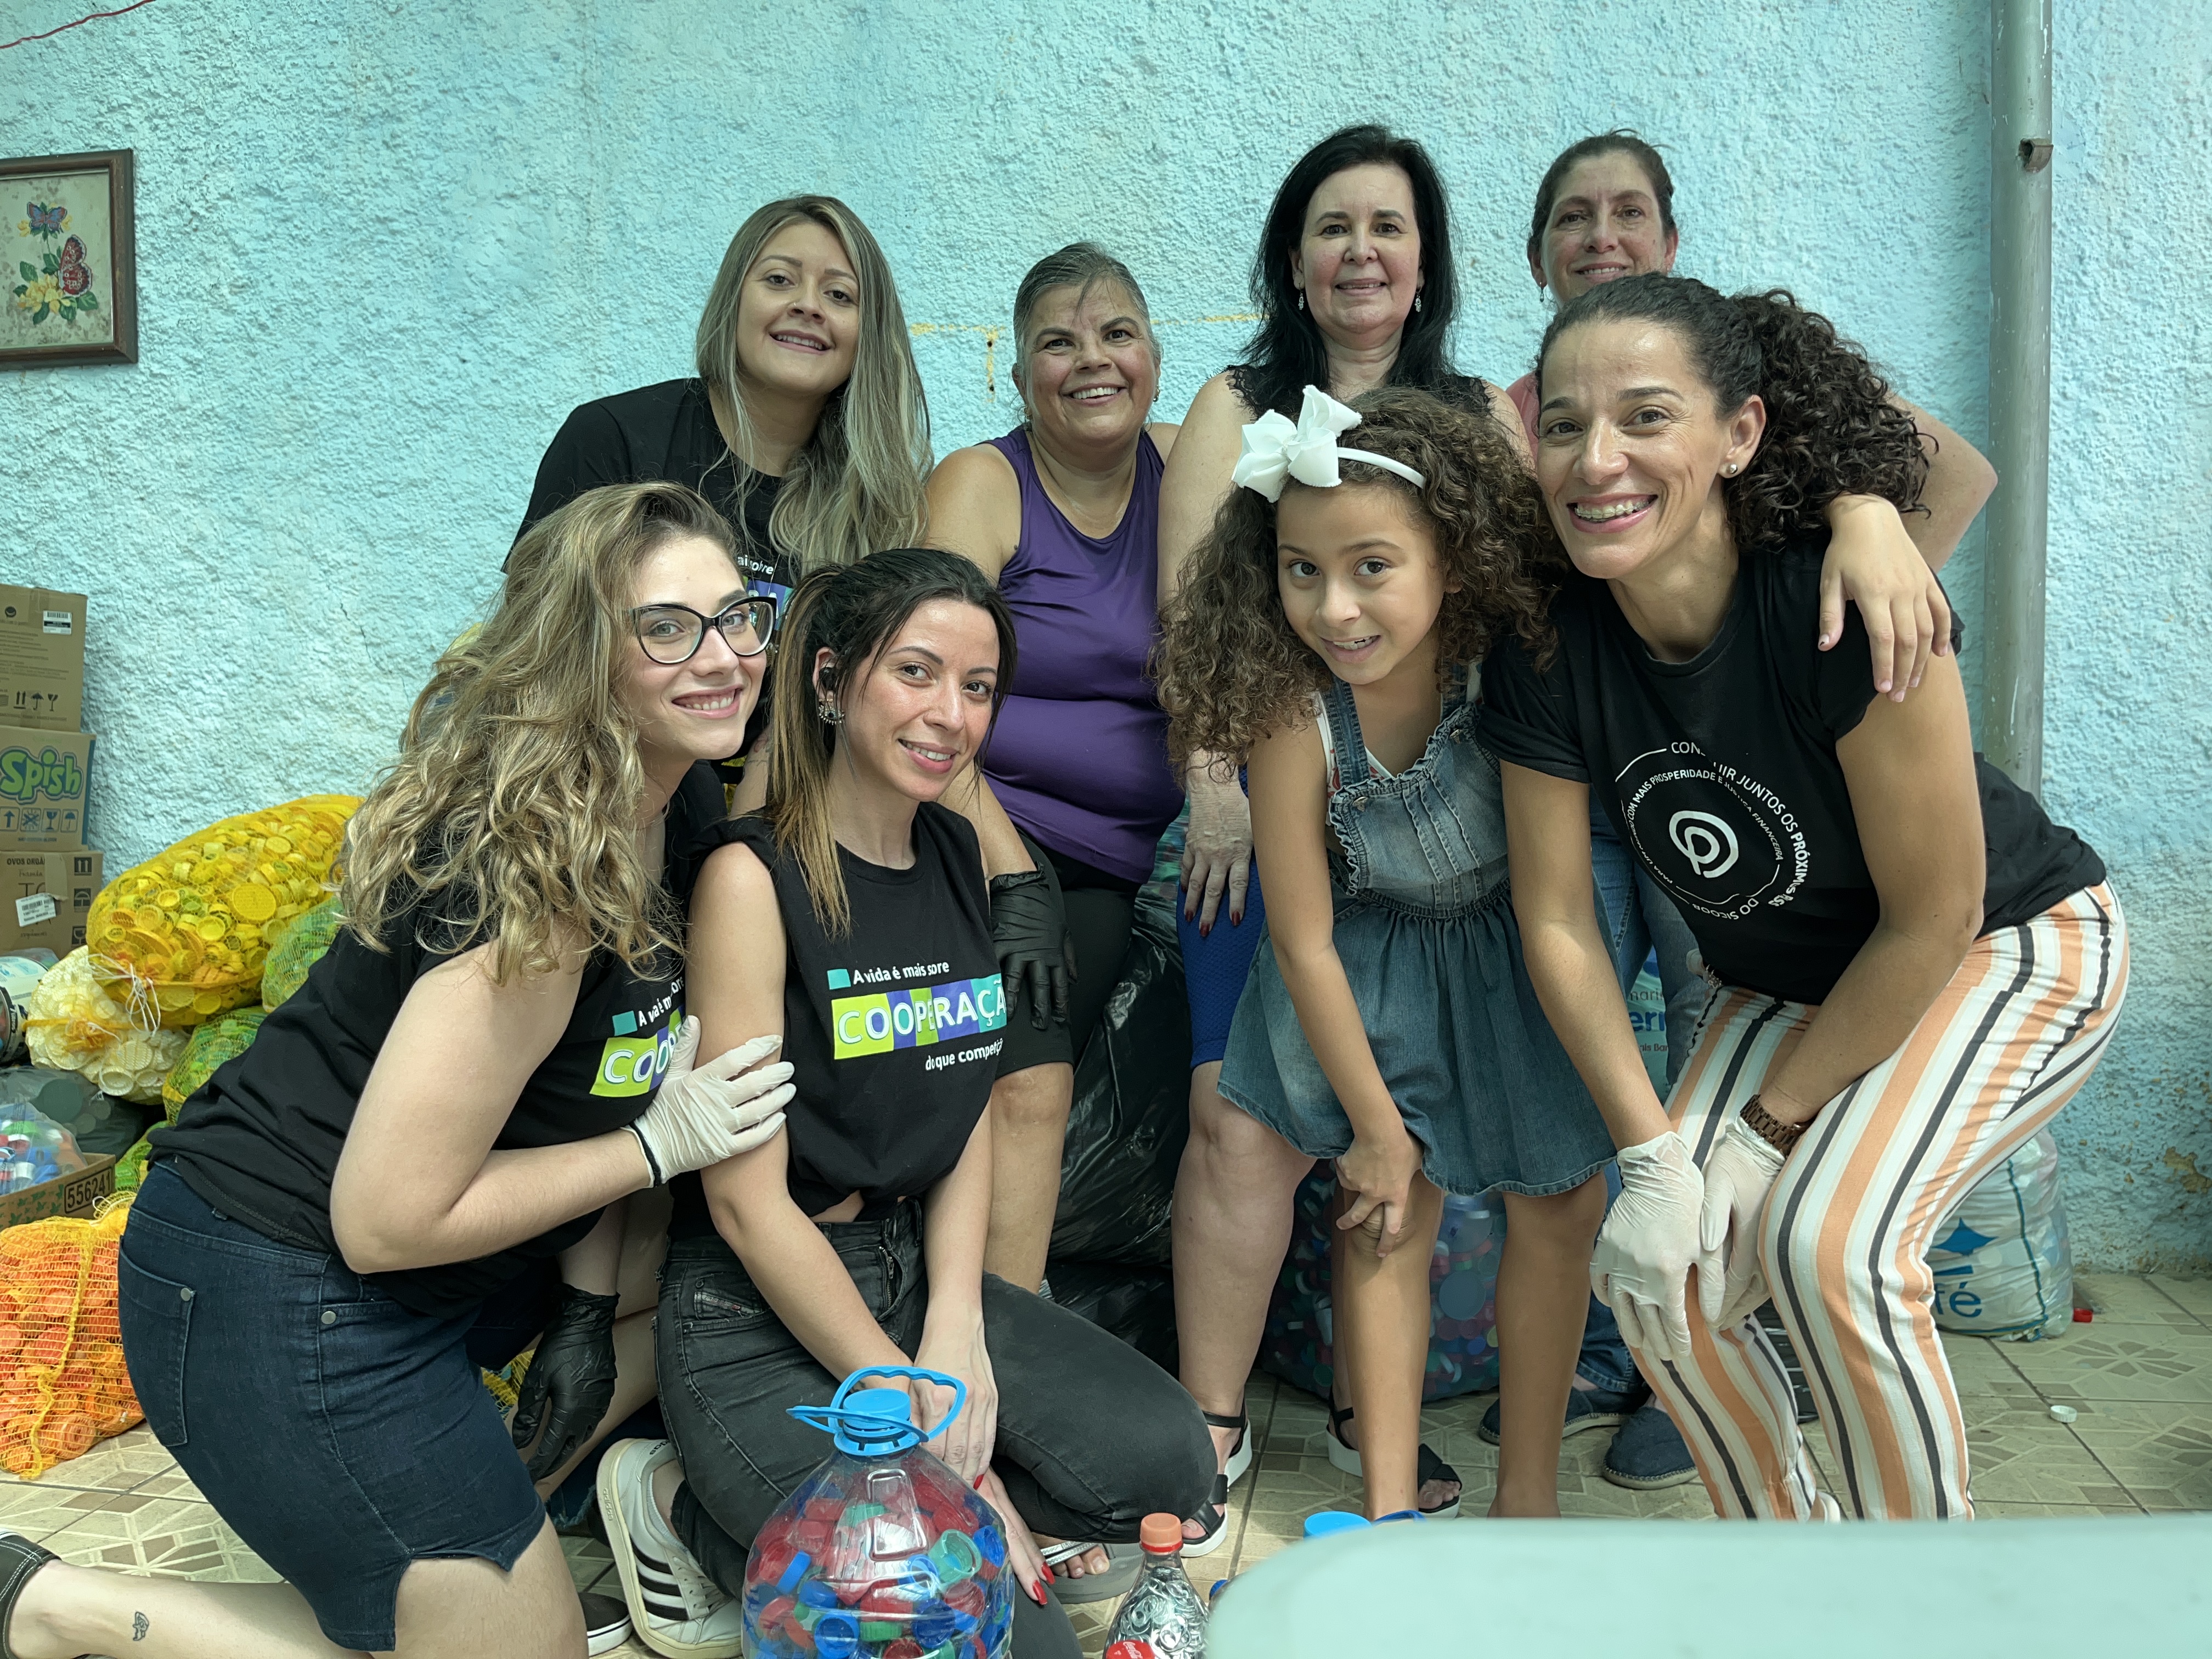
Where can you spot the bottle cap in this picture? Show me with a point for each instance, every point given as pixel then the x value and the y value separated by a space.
pixel 1161 1534
pixel 1324 1522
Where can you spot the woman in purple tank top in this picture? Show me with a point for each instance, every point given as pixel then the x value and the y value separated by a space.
pixel 1063 512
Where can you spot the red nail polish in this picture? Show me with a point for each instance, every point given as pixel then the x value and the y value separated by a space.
pixel 1036 1592
pixel 979 1481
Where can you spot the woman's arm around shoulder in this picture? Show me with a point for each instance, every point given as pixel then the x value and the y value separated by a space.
pixel 1164 434
pixel 418 1183
pixel 975 507
pixel 1197 476
pixel 1508 421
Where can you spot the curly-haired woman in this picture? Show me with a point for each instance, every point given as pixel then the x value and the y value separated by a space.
pixel 488 1054
pixel 1358 288
pixel 1320 638
pixel 1917 969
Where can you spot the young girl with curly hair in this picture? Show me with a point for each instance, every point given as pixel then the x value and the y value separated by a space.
pixel 1320 636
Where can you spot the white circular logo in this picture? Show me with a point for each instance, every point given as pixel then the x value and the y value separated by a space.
pixel 1706 842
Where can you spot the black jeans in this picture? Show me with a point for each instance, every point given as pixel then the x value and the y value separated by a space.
pixel 1093 1436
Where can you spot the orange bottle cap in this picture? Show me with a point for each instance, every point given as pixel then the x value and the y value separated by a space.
pixel 1161 1534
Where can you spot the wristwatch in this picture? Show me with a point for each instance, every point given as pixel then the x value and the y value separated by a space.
pixel 1783 1137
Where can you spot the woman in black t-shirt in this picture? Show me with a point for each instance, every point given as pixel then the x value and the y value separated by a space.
pixel 488 1054
pixel 804 424
pixel 853 915
pixel 1914 968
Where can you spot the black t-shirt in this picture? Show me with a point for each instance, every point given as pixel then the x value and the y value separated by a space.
pixel 664 433
pixel 260 1140
pixel 1720 774
pixel 893 1029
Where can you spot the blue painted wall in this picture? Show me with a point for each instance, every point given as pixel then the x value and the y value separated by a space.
pixel 383 249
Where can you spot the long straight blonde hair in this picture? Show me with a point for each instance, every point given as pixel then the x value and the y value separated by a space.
pixel 511 816
pixel 856 484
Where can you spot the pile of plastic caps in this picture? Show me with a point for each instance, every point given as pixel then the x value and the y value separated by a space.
pixel 63 1384
pixel 181 939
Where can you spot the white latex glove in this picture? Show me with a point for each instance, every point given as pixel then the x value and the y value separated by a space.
pixel 1740 1173
pixel 704 1116
pixel 1648 1241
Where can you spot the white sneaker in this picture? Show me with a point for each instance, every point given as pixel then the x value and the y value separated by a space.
pixel 677 1609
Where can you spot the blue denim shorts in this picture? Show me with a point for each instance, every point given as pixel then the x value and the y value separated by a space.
pixel 342 1435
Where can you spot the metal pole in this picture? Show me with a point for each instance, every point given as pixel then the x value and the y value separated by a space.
pixel 2020 386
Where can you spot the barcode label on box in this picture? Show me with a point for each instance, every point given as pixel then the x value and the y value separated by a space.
pixel 58 622
pixel 30 912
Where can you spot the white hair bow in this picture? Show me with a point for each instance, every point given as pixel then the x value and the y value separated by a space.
pixel 1277 450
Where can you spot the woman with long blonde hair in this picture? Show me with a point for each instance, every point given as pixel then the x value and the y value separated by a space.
pixel 399 1182
pixel 804 422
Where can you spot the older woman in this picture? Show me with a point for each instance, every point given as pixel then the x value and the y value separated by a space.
pixel 1605 211
pixel 1355 278
pixel 1074 789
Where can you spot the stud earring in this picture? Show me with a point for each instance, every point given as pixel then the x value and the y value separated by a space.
pixel 829 714
pixel 1729 469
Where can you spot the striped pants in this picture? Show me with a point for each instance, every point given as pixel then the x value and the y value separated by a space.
pixel 1846 1230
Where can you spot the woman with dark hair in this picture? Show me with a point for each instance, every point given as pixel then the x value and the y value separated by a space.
pixel 1918 970
pixel 852 913
pixel 1063 514
pixel 1355 285
pixel 1604 210
pixel 386 1191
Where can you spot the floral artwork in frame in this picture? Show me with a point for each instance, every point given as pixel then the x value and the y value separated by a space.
pixel 68 281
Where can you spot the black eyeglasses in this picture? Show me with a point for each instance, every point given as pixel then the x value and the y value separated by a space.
pixel 672 634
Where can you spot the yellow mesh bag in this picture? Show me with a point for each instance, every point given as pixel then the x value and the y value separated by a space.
pixel 63 1385
pixel 208 1047
pixel 304 945
pixel 192 927
pixel 130 1167
pixel 76 1025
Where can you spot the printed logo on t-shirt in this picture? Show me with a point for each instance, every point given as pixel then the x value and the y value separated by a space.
pixel 1719 841
pixel 912 1015
pixel 636 1057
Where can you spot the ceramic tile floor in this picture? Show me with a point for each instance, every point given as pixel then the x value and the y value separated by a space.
pixel 2139 1378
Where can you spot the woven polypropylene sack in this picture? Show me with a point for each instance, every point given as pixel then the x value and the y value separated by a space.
pixel 303 946
pixel 63 1384
pixel 76 1025
pixel 192 927
pixel 209 1046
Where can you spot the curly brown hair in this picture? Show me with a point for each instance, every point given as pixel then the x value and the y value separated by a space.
pixel 1831 428
pixel 1231 670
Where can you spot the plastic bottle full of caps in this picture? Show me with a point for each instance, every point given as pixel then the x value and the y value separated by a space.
pixel 1162 1617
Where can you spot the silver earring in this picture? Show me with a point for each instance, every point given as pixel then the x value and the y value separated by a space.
pixel 829 714
pixel 1417 302
pixel 1302 299
pixel 1729 469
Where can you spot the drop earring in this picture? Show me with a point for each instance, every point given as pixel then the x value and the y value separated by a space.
pixel 1302 299
pixel 1417 301
pixel 829 714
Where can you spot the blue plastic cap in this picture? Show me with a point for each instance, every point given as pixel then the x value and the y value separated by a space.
pixel 837 1635
pixel 882 1402
pixel 1320 1525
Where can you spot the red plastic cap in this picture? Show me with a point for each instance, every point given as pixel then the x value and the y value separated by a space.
pixel 2083 1316
pixel 1161 1534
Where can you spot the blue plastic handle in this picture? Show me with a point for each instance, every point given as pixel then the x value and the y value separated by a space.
pixel 839 1419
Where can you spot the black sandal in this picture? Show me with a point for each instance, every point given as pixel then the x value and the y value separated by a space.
pixel 19 1561
pixel 1213 1514
pixel 1427 1465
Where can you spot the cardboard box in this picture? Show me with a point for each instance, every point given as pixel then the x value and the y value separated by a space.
pixel 41 659
pixel 44 898
pixel 44 783
pixel 68 1195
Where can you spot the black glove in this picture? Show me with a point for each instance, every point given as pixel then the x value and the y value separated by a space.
pixel 574 1370
pixel 1028 930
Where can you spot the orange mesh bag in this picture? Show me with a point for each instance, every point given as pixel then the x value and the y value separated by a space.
pixel 190 927
pixel 63 1385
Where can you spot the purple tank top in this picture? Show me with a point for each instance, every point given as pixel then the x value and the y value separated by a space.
pixel 1080 757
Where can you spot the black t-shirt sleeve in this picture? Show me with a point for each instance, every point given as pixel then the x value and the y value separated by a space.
pixel 1528 715
pixel 589 450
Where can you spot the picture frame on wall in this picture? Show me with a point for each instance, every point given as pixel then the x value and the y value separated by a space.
pixel 69 289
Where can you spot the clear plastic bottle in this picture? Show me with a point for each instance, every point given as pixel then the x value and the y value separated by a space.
pixel 1162 1617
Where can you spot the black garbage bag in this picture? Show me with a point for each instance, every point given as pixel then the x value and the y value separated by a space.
pixel 1134 1303
pixel 1131 1112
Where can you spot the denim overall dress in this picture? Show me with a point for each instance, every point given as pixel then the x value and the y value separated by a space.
pixel 1425 928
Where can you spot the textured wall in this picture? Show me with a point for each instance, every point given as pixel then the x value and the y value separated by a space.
pixel 384 248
